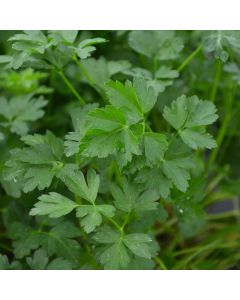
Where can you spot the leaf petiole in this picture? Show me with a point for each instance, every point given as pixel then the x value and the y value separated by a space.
pixel 71 87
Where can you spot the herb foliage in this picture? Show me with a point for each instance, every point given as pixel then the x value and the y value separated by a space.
pixel 114 144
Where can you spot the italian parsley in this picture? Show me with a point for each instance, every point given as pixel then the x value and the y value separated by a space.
pixel 110 148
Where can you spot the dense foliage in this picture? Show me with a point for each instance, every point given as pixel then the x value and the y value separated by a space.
pixel 119 150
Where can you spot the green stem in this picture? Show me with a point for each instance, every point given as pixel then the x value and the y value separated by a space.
pixel 126 220
pixel 116 225
pixel 223 130
pixel 216 81
pixel 199 249
pixel 228 138
pixel 84 71
pixel 213 184
pixel 189 58
pixel 88 77
pixel 228 214
pixel 160 263
pixel 197 252
pixel 236 207
pixel 72 88
pixel 169 223
pixel 217 197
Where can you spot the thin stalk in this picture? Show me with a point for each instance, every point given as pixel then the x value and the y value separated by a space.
pixel 189 58
pixel 84 71
pixel 116 225
pixel 199 249
pixel 169 223
pixel 213 184
pixel 223 129
pixel 228 138
pixel 229 214
pixel 160 263
pixel 126 220
pixel 88 77
pixel 220 137
pixel 236 206
pixel 216 81
pixel 217 197
pixel 71 88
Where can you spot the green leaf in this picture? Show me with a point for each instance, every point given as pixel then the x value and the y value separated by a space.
pixel 138 244
pixel 110 133
pixel 117 66
pixel 145 95
pixel 138 72
pixel 155 179
pixel 124 97
pixel 40 261
pixel 139 263
pixel 60 264
pixel 190 112
pixel 146 220
pixel 100 70
pixel 130 197
pixel 115 257
pixel 177 165
pixel 196 139
pixel 4 262
pixel 6 61
pixel 30 41
pixel 189 116
pixel 135 99
pixel 33 139
pixel 91 215
pixel 165 72
pixel 36 166
pixel 188 205
pixel 24 82
pixel 85 47
pixel 108 118
pixel 19 111
pixel 158 83
pixel 79 117
pixel 77 184
pixel 177 114
pixel 131 139
pixel 106 235
pixel 100 143
pixel 54 205
pixel 155 145
pixel 57 240
pixel 28 45
pixel 175 171
pixel 104 136
pixel 161 45
pixel 64 35
pixel 116 254
pixel 221 43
